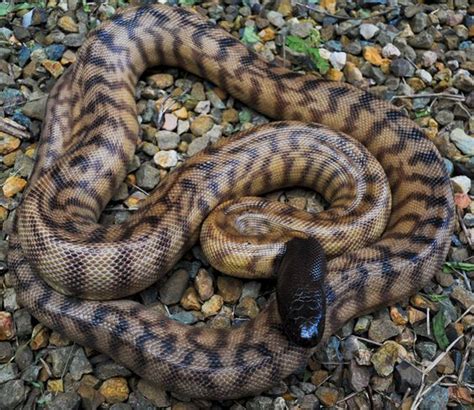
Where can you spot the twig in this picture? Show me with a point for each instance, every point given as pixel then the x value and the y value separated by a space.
pixel 140 189
pixel 446 96
pixel 369 341
pixel 442 355
pixel 464 314
pixel 421 392
pixel 350 396
pixel 464 361
pixel 428 331
pixel 11 127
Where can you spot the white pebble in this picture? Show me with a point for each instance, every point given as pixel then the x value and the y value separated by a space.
pixel 338 60
pixel 368 30
pixel 166 159
pixel 425 76
pixel 390 51
pixel 461 183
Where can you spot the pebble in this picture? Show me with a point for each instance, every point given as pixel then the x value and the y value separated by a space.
pixel 328 396
pixel 7 328
pixel 363 323
pixel 401 67
pixel 428 58
pixel 198 145
pixel 8 143
pixel 444 117
pixel 190 300
pixel 187 318
pixel 167 140
pixel 8 371
pixel 419 22
pixel 55 386
pixel 461 184
pixel 80 365
pixel 212 306
pixel 55 68
pixel 368 31
pixel 338 60
pixel 426 350
pixel 229 288
pixel 166 159
pixel 6 352
pixel 276 18
pixel 251 289
pixel 203 107
pixel 464 142
pixel 301 30
pixel 13 185
pixel 385 357
pixel 425 76
pixel 170 123
pixel 148 176
pixel 109 369
pixel 115 390
pixel 12 393
pixel 407 377
pixel 204 285
pixel 201 125
pixel 68 24
pixel 247 307
pixel 161 80
pixel 359 376
pixel 436 399
pixel 463 296
pixel 383 329
pixel 22 323
pixel 390 51
pixel 372 55
pixel 172 290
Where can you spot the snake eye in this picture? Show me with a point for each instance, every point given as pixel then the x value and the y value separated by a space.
pixel 300 291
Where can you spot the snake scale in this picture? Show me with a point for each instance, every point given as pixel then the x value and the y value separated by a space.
pixel 89 136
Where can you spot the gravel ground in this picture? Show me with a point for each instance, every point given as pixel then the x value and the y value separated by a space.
pixel 417 354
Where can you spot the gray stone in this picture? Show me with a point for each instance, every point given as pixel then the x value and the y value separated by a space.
pixel 24 357
pixel 359 376
pixel 461 184
pixel 383 329
pixel 421 40
pixel 464 142
pixel 69 400
pixel 330 355
pixel 173 289
pixel 24 165
pixel 444 117
pixel 464 81
pixel 276 18
pixel 8 371
pixel 469 220
pixel 167 140
pixel 74 39
pixel 12 393
pixel 425 76
pixel 301 29
pixel 426 350
pixel 31 373
pixel 121 406
pixel 428 58
pixel 80 365
pixel 338 59
pixel 59 359
pixel 6 352
pixel 419 22
pixel 6 81
pixel 185 317
pixel 198 145
pixel 407 377
pixel 23 323
pixel 36 107
pixel 109 369
pixel 148 176
pixel 280 404
pixel 402 68
pixel 9 300
pixel 251 289
pixel 368 30
pixel 436 399
pixel 363 323
pixel 157 396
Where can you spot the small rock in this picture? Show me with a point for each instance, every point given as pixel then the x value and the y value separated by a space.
pixel 173 289
pixel 444 117
pixel 338 60
pixel 398 315
pixel 6 352
pixel 190 300
pixel 204 286
pixel 183 126
pixel 156 395
pixel 55 385
pixel 203 107
pixel 390 51
pixel 425 76
pixel 461 184
pixel 359 376
pixel 368 30
pixel 66 23
pixel 7 328
pixel 362 325
pixel 8 143
pixel 115 390
pixel 22 323
pixel 230 115
pixel 463 81
pixel 247 307
pixel 407 377
pixel 328 396
pixel 436 399
pixel 167 140
pixel 198 145
pixel 229 288
pixel 74 39
pixel 36 107
pixel 109 369
pixel 148 176
pixel 352 73
pixel 80 365
pixel 372 55
pixel 469 222
pixel 170 123
pixel 166 159
pixel 428 58
pixel 385 357
pixel 201 125
pixel 12 393
pixel 463 141
pixel 276 18
pixel 161 80
pixel 419 22
pixel 463 296
pixel 382 384
pixel 426 350
pixel 383 329
pixel 8 371
pixel 13 185
pixel 212 306
pixel 187 318
pixel 402 68
pixel 251 289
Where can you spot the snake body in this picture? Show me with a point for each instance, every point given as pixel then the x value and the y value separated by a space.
pixel 88 138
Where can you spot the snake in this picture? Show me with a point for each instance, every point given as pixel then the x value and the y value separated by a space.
pixel 62 259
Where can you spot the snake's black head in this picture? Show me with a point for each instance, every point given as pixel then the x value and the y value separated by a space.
pixel 300 291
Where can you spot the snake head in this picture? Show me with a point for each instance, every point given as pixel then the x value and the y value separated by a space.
pixel 300 291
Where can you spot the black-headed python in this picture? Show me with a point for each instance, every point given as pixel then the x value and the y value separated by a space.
pixel 89 136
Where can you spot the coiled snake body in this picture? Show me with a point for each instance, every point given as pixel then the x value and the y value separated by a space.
pixel 88 138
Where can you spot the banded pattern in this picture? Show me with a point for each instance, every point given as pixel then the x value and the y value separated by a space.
pixel 92 118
